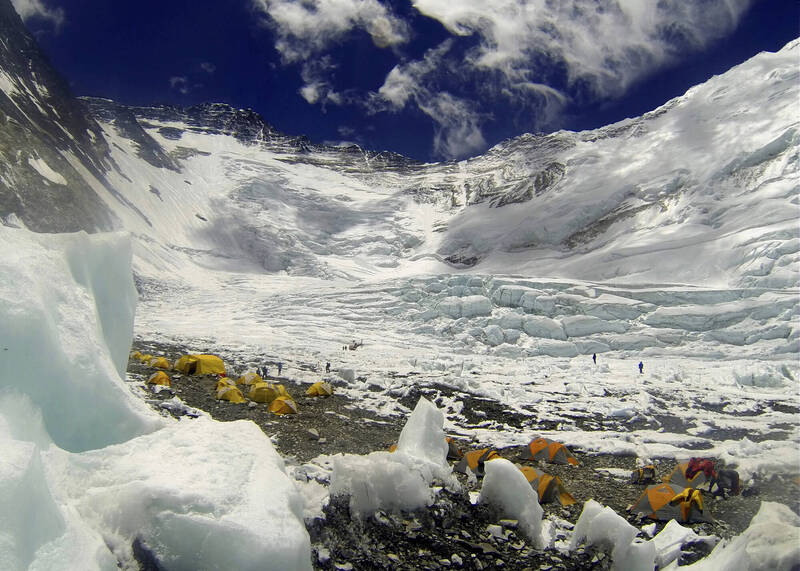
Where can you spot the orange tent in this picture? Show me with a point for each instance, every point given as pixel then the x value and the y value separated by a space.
pixel 474 461
pixel 263 392
pixel 664 502
pixel 549 488
pixel 453 451
pixel 549 451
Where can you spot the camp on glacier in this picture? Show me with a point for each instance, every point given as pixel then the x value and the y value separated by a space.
pixel 626 294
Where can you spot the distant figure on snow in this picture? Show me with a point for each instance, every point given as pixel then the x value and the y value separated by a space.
pixel 328 367
pixel 265 372
pixel 594 358
pixel 641 367
pixel 280 368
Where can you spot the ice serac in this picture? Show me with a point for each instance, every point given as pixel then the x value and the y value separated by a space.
pixel 507 489
pixel 66 321
pixel 602 526
pixel 772 541
pixel 88 468
pixel 400 480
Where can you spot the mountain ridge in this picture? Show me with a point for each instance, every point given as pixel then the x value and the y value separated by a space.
pixel 215 184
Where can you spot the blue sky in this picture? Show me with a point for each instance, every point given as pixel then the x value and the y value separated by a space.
pixel 431 79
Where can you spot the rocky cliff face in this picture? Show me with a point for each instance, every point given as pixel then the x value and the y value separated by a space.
pixel 49 146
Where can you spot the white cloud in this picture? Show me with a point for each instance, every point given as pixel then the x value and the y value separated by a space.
pixel 307 27
pixel 457 122
pixel 28 9
pixel 208 67
pixel 180 83
pixel 530 58
pixel 458 132
pixel 606 45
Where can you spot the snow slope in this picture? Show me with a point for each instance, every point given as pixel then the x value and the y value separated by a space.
pixel 671 238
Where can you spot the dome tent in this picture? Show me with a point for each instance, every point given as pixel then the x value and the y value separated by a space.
pixel 159 378
pixel 200 365
pixel 320 389
pixel 283 405
pixel 230 393
pixel 265 392
pixel 249 378
pixel 160 363
pixel 549 451
pixel 550 488
pixel 475 460
pixel 682 476
pixel 664 502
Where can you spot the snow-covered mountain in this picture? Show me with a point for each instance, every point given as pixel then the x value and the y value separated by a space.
pixel 699 198
pixel 701 191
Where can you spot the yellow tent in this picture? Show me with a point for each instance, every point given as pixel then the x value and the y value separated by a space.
pixel 159 378
pixel 136 355
pixel 224 382
pixel 283 405
pixel 263 392
pixel 249 379
pixel 145 357
pixel 160 363
pixel 200 365
pixel 320 389
pixel 230 393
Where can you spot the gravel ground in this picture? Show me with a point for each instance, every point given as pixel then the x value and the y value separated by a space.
pixel 453 532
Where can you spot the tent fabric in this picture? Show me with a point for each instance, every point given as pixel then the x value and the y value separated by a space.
pixel 644 475
pixel 664 502
pixel 224 382
pixel 550 488
pixel 200 365
pixel 320 389
pixel 136 355
pixel 283 405
pixel 475 460
pixel 453 451
pixel 249 379
pixel 263 392
pixel 160 363
pixel 549 451
pixel 230 393
pixel 678 477
pixel 145 357
pixel 159 378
